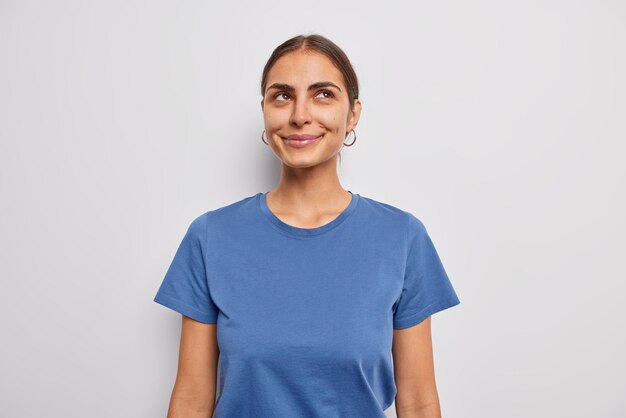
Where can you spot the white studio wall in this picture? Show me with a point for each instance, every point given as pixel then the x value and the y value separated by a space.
pixel 500 124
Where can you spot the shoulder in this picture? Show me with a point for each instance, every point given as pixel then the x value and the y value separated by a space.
pixel 220 215
pixel 403 218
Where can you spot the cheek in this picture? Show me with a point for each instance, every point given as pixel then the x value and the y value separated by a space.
pixel 333 121
pixel 276 118
pixel 271 122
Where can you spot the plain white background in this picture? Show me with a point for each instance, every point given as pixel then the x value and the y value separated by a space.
pixel 499 124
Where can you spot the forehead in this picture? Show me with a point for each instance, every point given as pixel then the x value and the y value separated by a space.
pixel 301 68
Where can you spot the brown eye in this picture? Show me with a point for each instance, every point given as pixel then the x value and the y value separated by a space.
pixel 328 92
pixel 282 93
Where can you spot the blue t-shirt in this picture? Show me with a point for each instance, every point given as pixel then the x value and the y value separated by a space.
pixel 305 316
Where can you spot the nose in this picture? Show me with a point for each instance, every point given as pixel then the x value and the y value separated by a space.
pixel 300 114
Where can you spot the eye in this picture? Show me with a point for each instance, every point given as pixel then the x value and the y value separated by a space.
pixel 330 93
pixel 282 93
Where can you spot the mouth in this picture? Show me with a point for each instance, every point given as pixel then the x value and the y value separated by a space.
pixel 301 141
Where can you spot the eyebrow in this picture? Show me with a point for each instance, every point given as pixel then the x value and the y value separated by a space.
pixel 313 86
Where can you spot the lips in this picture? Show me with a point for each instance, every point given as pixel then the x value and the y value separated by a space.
pixel 301 137
pixel 299 141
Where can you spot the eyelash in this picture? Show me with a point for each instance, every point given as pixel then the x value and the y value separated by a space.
pixel 321 91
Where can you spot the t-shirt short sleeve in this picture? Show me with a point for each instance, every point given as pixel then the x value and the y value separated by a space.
pixel 185 287
pixel 427 288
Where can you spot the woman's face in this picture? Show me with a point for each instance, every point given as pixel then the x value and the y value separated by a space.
pixel 306 95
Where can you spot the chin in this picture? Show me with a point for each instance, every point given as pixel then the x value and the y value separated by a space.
pixel 306 161
pixel 300 164
pixel 300 161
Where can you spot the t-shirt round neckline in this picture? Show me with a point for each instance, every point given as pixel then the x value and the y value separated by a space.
pixel 306 232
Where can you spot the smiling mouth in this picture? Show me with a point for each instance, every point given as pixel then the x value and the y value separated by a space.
pixel 301 143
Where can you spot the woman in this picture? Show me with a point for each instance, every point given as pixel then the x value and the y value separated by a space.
pixel 302 294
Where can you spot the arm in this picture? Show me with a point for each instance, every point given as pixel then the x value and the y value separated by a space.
pixel 414 372
pixel 193 395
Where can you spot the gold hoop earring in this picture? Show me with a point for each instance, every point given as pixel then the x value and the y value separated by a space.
pixel 263 139
pixel 352 143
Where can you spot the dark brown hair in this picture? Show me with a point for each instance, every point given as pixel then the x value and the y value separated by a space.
pixel 320 44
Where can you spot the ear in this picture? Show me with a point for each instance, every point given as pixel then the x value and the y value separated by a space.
pixel 262 100
pixel 354 115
